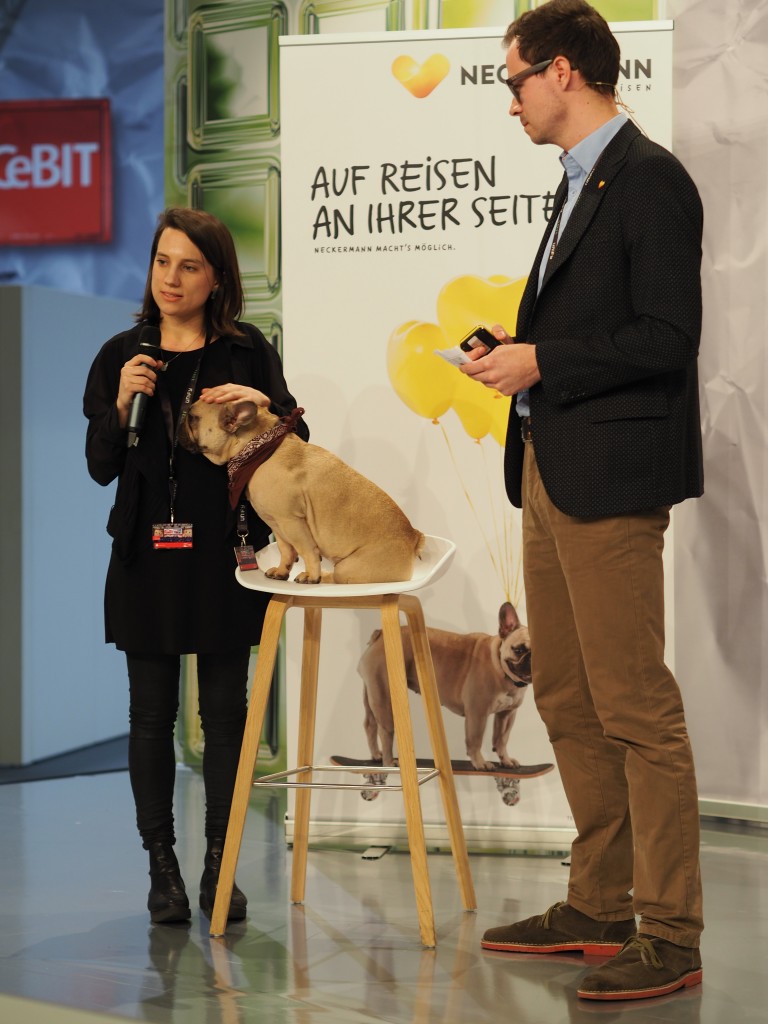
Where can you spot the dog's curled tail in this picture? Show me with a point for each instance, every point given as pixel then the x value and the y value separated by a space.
pixel 419 543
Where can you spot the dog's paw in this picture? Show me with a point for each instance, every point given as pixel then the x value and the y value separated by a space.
pixel 304 577
pixel 510 791
pixel 510 762
pixel 275 574
pixel 481 765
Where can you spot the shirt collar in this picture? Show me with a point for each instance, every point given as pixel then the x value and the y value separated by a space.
pixel 586 153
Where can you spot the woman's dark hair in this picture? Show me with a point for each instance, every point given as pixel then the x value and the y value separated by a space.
pixel 572 29
pixel 215 242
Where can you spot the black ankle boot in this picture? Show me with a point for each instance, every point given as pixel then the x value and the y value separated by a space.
pixel 210 880
pixel 167 902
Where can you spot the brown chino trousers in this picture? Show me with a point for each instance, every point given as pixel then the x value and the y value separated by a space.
pixel 595 606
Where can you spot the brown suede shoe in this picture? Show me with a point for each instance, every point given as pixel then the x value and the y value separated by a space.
pixel 646 966
pixel 562 929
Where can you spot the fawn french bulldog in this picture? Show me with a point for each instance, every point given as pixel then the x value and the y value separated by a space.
pixel 315 504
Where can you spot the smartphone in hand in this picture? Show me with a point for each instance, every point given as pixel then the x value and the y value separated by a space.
pixel 478 336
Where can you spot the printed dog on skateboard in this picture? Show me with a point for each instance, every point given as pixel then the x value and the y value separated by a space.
pixel 477 675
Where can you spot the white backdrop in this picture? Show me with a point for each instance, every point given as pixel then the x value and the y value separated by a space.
pixel 412 206
pixel 721 640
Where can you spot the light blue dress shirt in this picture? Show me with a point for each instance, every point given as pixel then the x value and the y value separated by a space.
pixel 577 164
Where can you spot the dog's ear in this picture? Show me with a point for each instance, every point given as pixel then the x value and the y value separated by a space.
pixel 509 620
pixel 235 415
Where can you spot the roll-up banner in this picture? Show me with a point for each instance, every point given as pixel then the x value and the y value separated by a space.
pixel 412 207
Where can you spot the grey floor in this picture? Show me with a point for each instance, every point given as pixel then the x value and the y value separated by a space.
pixel 76 944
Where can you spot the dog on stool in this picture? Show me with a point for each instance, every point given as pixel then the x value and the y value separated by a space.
pixel 316 505
pixel 477 675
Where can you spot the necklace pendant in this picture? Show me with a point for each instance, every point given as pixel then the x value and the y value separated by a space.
pixel 167 362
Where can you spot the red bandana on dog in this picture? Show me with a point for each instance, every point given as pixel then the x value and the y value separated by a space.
pixel 242 466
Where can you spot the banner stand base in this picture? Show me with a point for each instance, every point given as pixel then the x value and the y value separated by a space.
pixel 520 841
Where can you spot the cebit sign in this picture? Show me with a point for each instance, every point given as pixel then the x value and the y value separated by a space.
pixel 55 172
pixel 48 165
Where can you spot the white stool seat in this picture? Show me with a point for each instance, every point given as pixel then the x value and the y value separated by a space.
pixel 390 599
pixel 436 556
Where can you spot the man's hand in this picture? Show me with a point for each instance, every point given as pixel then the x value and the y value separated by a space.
pixel 509 368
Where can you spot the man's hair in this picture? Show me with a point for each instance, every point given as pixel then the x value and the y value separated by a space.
pixel 572 29
pixel 212 237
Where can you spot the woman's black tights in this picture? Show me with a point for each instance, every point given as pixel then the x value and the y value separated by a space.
pixel 154 704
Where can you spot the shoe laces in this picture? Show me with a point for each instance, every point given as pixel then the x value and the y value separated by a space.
pixel 546 919
pixel 645 946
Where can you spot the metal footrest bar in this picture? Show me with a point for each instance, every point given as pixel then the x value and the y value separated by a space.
pixel 424 775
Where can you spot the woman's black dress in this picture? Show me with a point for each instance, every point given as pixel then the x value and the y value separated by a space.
pixel 176 601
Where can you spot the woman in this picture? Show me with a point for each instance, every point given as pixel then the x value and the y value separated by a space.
pixel 164 598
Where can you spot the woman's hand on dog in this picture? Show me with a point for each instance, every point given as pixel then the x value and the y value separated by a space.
pixel 233 393
pixel 139 374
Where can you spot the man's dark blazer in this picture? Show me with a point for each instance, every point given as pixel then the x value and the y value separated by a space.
pixel 615 417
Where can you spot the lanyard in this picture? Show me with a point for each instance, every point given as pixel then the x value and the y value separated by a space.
pixel 173 433
pixel 242 523
pixel 556 233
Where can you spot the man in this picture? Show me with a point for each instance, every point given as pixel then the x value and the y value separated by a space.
pixel 604 370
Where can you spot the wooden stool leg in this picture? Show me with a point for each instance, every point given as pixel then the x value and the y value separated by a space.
pixel 401 713
pixel 310 659
pixel 262 681
pixel 426 675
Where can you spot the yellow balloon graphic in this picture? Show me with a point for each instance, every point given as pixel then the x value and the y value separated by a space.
pixel 463 303
pixel 424 381
pixel 472 404
pixel 499 418
pixel 467 301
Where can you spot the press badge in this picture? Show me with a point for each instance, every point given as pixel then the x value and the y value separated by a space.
pixel 171 536
pixel 244 553
pixel 246 557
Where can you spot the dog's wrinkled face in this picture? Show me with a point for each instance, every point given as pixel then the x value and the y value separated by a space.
pixel 209 429
pixel 516 657
pixel 515 651
pixel 189 429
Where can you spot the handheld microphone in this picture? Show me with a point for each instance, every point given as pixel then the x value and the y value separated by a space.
pixel 149 344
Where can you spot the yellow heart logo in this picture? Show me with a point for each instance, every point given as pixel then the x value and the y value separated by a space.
pixel 421 79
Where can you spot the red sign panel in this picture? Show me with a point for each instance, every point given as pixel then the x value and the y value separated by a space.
pixel 55 172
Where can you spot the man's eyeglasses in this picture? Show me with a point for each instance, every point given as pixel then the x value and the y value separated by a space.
pixel 535 69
